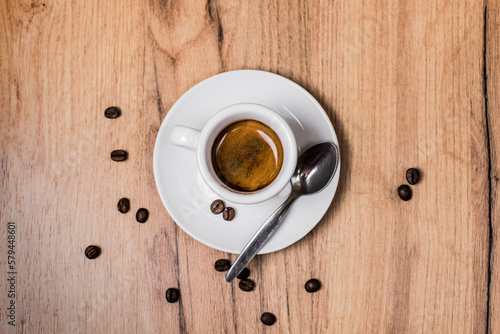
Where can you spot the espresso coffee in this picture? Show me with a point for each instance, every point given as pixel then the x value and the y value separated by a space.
pixel 247 156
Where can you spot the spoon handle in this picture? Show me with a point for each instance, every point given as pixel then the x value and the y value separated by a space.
pixel 260 238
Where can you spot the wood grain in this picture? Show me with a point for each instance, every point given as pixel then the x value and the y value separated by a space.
pixel 404 84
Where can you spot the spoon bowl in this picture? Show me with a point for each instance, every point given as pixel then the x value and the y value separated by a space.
pixel 315 169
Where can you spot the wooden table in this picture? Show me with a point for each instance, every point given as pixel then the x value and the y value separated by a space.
pixel 405 84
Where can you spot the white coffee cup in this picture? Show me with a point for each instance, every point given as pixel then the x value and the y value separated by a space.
pixel 201 141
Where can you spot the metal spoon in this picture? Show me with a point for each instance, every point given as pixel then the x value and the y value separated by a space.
pixel 315 169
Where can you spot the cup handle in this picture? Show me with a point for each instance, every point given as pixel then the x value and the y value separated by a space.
pixel 185 137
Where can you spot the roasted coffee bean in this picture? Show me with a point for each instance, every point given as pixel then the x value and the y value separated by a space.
pixel 404 192
pixel 142 215
pixel 412 176
pixel 91 252
pixel 268 319
pixel 244 274
pixel 119 155
pixel 246 285
pixel 313 285
pixel 228 213
pixel 123 205
pixel 222 265
pixel 112 112
pixel 172 295
pixel 217 206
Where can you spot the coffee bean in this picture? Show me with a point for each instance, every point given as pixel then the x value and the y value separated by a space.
pixel 142 215
pixel 246 285
pixel 217 206
pixel 412 176
pixel 222 265
pixel 172 295
pixel 123 205
pixel 228 214
pixel 244 274
pixel 404 192
pixel 91 252
pixel 119 155
pixel 268 319
pixel 112 112
pixel 313 285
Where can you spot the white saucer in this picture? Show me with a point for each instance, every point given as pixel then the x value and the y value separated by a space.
pixel 185 195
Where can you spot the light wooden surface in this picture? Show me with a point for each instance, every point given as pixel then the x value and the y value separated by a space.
pixel 404 84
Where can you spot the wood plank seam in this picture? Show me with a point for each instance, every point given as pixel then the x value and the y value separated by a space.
pixel 488 147
pixel 182 320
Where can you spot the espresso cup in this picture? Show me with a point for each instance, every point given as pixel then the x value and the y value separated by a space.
pixel 246 153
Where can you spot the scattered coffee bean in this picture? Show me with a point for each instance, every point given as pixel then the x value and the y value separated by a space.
pixel 246 285
pixel 142 215
pixel 412 176
pixel 91 252
pixel 404 192
pixel 123 205
pixel 119 155
pixel 112 112
pixel 222 265
pixel 228 214
pixel 268 319
pixel 313 285
pixel 217 206
pixel 244 274
pixel 172 295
